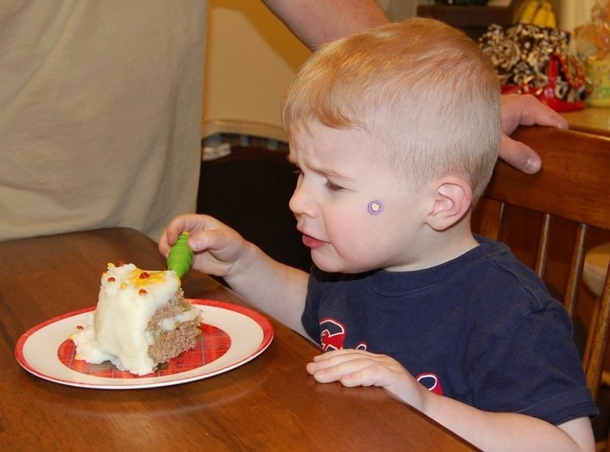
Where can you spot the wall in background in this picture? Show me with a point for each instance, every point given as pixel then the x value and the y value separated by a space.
pixel 251 57
pixel 398 10
pixel 575 13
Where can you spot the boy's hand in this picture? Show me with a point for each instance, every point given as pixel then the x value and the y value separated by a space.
pixel 361 368
pixel 216 246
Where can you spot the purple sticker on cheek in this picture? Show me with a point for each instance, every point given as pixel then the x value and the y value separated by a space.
pixel 375 207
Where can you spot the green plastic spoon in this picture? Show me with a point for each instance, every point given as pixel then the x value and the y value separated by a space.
pixel 180 256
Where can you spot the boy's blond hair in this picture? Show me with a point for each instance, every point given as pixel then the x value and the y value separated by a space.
pixel 423 89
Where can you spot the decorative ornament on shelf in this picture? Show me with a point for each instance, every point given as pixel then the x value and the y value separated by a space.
pixel 537 60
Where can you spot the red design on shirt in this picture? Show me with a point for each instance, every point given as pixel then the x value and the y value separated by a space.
pixel 332 335
pixel 430 381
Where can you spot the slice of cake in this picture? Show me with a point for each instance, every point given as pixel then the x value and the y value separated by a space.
pixel 141 320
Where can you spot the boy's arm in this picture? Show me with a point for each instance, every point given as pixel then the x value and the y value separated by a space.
pixel 273 287
pixel 508 431
pixel 486 430
pixel 220 251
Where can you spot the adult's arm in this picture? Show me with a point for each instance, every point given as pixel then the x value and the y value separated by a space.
pixel 318 21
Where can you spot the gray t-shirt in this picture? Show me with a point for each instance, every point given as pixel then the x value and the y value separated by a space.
pixel 100 114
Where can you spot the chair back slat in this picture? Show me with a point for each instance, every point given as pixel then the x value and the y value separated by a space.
pixel 542 254
pixel 576 268
pixel 594 367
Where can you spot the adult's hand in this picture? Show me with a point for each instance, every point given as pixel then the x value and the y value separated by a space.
pixel 524 110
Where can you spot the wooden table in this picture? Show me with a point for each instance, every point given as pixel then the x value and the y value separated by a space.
pixel 270 403
pixel 591 120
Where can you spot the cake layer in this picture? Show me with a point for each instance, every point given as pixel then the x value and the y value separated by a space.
pixel 141 320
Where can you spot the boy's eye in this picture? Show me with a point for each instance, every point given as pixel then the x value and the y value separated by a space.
pixel 332 186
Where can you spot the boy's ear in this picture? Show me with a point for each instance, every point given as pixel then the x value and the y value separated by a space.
pixel 453 198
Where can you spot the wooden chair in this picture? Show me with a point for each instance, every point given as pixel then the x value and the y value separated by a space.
pixel 573 188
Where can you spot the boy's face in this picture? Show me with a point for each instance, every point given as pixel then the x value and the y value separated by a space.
pixel 341 173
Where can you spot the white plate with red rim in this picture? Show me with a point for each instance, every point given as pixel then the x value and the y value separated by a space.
pixel 232 336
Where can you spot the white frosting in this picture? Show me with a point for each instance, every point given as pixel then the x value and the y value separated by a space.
pixel 128 299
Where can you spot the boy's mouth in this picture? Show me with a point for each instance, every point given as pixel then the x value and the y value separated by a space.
pixel 312 242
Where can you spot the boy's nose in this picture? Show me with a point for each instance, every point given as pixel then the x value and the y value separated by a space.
pixel 295 202
pixel 300 203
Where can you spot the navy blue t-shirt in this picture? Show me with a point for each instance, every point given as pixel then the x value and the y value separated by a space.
pixel 481 329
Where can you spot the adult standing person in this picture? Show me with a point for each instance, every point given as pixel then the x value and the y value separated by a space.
pixel 100 106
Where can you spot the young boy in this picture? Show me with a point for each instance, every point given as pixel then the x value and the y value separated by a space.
pixel 395 133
